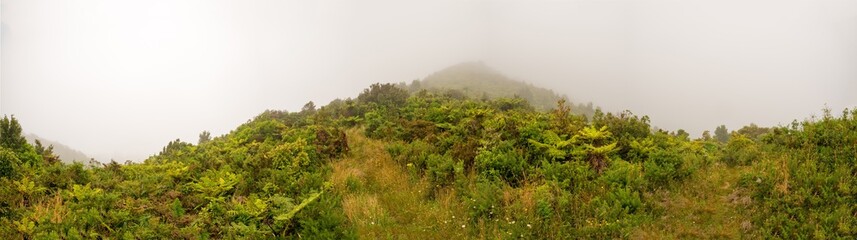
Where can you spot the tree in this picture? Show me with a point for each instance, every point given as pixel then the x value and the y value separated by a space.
pixel 554 146
pixel 175 148
pixel 12 139
pixel 308 107
pixel 563 121
pixel 596 146
pixel 682 134
pixel 415 86
pixel 46 152
pixel 384 94
pixel 721 134
pixel 753 131
pixel 10 134
pixel 706 135
pixel 626 126
pixel 204 137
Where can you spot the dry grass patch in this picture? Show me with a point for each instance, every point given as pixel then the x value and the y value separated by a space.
pixel 390 204
pixel 362 208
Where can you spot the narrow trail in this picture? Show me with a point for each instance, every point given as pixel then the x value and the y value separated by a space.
pixel 382 201
pixel 708 206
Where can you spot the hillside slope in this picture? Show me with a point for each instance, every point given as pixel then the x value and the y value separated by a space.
pixel 67 154
pixel 477 80
pixel 391 165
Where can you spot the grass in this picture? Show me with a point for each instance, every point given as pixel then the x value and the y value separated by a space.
pixel 382 201
pixel 707 206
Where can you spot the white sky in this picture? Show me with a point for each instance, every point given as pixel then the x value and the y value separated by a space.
pixel 119 79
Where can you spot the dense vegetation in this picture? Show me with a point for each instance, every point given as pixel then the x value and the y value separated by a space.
pixel 481 167
pixel 267 178
pixel 806 182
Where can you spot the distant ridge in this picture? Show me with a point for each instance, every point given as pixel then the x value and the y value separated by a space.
pixel 66 153
pixel 477 80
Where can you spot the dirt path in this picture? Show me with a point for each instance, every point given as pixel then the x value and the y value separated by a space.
pixel 382 201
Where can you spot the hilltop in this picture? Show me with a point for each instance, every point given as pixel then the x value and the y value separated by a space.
pixel 477 80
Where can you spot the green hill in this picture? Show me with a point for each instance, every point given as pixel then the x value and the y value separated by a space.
pixel 65 153
pixel 395 165
pixel 477 80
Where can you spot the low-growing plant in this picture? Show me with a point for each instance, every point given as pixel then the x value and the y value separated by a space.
pixel 741 150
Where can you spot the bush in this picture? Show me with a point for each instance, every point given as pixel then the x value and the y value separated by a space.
pixel 572 175
pixel 623 174
pixel 387 95
pixel 502 162
pixel 414 154
pixel 8 163
pixel 440 169
pixel 806 188
pixel 484 200
pixel 378 126
pixel 623 201
pixel 664 167
pixel 741 150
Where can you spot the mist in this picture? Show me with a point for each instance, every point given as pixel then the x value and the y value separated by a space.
pixel 119 79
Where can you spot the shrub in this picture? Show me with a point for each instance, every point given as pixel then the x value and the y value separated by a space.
pixel 387 95
pixel 440 169
pixel 483 201
pixel 806 189
pixel 622 201
pixel 664 167
pixel 571 175
pixel 8 163
pixel 502 162
pixel 414 154
pixel 741 150
pixel 623 174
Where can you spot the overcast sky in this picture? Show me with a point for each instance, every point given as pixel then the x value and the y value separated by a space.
pixel 119 79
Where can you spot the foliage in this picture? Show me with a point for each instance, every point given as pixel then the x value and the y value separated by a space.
pixel 262 180
pixel 721 134
pixel 204 137
pixel 486 149
pixel 753 131
pixel 386 95
pixel 625 128
pixel 741 150
pixel 665 166
pixel 502 162
pixel 10 134
pixel 805 186
pixel 514 171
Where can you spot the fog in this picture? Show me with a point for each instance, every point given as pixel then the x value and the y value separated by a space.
pixel 119 79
